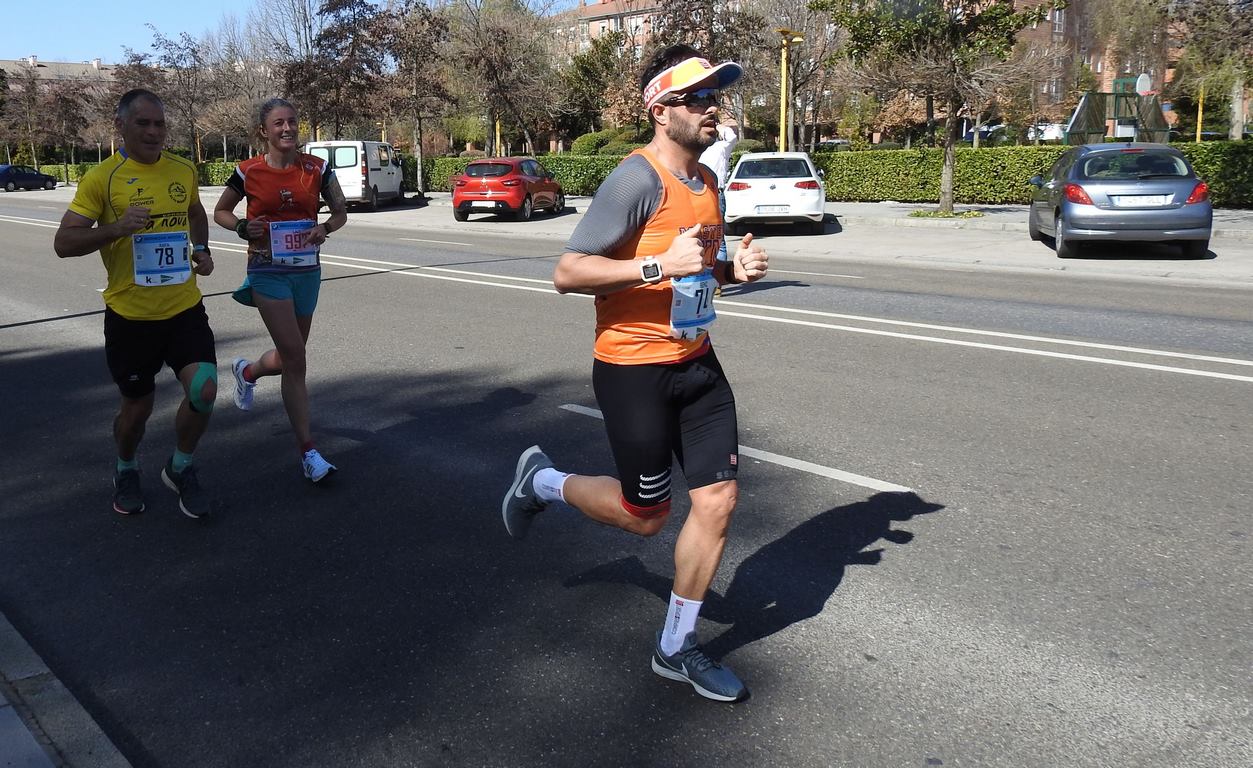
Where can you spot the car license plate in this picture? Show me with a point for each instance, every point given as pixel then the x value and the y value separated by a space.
pixel 483 204
pixel 1139 201
pixel 772 209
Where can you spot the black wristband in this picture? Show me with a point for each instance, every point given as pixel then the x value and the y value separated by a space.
pixel 241 229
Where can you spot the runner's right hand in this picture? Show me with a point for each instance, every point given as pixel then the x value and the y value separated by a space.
pixel 685 256
pixel 135 219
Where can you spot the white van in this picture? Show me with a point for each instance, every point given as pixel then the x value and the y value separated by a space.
pixel 368 171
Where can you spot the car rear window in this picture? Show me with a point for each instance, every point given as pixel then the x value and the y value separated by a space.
pixel 488 169
pixel 1121 166
pixel 336 157
pixel 780 168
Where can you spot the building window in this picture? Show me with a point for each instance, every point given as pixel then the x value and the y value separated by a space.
pixel 1059 20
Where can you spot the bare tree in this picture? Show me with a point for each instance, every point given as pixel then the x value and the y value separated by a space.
pixel 504 45
pixel 414 38
pixel 187 78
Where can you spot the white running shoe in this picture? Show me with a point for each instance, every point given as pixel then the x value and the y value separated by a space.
pixel 243 388
pixel 316 468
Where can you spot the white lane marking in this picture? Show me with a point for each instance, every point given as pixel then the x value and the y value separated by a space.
pixel 997 347
pixel 48 207
pixel 783 461
pixel 440 242
pixel 424 272
pixel 814 274
pixel 995 334
pixel 29 222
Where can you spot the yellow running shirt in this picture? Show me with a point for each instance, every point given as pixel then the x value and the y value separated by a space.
pixel 166 188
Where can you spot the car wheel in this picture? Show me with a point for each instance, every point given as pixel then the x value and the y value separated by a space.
pixel 460 215
pixel 372 202
pixel 1196 249
pixel 50 184
pixel 524 213
pixel 1061 244
pixel 10 187
pixel 559 204
pixel 1033 231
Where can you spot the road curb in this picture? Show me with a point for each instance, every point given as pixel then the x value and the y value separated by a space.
pixel 42 725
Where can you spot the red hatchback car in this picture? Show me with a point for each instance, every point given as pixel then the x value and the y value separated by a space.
pixel 508 185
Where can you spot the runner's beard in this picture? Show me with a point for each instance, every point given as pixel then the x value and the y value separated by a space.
pixel 689 136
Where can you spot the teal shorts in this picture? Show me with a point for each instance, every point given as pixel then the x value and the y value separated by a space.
pixel 301 288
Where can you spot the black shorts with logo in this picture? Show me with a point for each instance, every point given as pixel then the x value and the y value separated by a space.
pixel 655 414
pixel 136 349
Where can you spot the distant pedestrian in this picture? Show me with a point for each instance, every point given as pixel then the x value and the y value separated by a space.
pixel 141 210
pixel 717 158
pixel 283 187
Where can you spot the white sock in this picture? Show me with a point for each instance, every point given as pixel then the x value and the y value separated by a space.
pixel 680 620
pixel 548 484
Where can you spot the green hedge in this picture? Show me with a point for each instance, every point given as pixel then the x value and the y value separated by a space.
pixel 216 174
pixel 590 143
pixel 1227 167
pixel 77 170
pixel 999 174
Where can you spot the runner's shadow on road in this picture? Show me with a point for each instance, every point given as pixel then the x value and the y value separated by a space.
pixel 790 579
pixel 743 289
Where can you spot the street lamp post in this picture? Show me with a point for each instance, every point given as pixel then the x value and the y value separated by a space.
pixel 788 37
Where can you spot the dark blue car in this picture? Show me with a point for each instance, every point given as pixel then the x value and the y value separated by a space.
pixel 14 176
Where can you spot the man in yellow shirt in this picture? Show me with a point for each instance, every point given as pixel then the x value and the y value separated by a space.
pixel 141 210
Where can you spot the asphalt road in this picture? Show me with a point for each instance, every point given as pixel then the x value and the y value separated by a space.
pixel 1068 583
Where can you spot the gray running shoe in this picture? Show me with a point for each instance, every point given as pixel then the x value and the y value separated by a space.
pixel 243 387
pixel 691 665
pixel 191 499
pixel 128 498
pixel 521 504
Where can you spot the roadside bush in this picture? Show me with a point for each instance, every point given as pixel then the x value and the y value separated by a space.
pixel 440 170
pixel 580 175
pixel 77 170
pixel 589 143
pixel 1227 167
pixel 215 174
pixel 749 145
pixel 618 148
pixel 472 153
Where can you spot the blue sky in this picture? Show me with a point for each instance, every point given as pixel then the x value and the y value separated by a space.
pixel 81 30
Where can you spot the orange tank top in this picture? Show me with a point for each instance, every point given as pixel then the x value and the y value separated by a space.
pixel 633 325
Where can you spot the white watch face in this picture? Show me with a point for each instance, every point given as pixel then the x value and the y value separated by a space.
pixel 650 271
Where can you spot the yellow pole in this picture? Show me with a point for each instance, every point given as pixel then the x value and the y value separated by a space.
pixel 1200 113
pixel 499 153
pixel 783 96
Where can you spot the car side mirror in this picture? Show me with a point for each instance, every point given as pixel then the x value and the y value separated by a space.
pixel 1036 181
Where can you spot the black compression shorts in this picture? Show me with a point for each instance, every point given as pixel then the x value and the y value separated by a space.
pixel 655 412
pixel 135 349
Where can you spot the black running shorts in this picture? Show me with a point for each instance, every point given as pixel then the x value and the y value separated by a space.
pixel 655 414
pixel 136 349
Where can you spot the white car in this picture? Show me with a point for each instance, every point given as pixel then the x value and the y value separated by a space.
pixel 775 188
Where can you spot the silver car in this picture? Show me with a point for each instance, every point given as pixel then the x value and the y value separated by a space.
pixel 1121 193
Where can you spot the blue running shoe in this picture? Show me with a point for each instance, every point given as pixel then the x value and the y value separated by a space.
pixel 691 665
pixel 521 504
pixel 128 499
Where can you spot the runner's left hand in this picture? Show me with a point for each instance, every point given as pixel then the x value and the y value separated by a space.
pixel 203 263
pixel 750 261
pixel 317 235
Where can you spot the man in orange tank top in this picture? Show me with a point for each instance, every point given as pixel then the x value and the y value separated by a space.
pixel 646 250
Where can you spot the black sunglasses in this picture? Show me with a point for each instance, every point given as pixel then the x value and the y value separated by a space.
pixel 704 98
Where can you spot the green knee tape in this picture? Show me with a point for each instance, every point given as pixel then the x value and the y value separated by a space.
pixel 205 372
